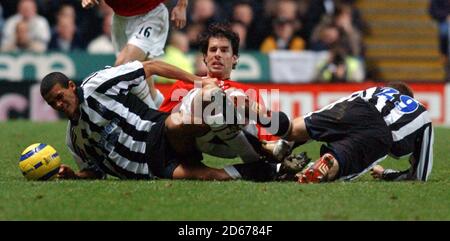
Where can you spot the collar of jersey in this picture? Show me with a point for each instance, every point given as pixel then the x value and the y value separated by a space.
pixel 80 95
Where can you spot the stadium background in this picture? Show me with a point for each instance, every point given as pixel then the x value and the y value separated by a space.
pixel 395 40
pixel 399 41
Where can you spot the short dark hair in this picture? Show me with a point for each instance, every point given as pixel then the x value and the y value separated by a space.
pixel 402 87
pixel 51 80
pixel 219 30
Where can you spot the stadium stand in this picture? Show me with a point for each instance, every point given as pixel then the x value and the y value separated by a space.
pixel 399 46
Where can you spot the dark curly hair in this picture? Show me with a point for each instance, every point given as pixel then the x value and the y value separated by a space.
pixel 219 30
pixel 53 79
pixel 402 87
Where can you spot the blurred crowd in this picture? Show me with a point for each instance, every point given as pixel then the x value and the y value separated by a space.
pixel 263 25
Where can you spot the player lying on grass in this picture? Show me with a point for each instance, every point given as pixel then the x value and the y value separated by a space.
pixel 362 130
pixel 112 131
pixel 220 48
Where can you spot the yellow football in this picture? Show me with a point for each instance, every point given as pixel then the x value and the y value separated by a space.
pixel 39 161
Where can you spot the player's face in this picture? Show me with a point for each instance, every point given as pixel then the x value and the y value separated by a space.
pixel 220 58
pixel 64 100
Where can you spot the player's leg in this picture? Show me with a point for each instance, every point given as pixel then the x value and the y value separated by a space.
pixel 298 133
pixel 200 172
pixel 126 52
pixel 356 136
pixel 130 53
pixel 279 149
pixel 181 136
pixel 184 139
pixel 211 106
pixel 145 34
pixel 256 171
pixel 326 168
pixel 203 106
pixel 181 140
pixel 140 38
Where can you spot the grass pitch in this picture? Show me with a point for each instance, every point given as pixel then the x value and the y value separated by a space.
pixel 113 199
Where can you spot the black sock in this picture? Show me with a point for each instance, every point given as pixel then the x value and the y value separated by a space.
pixel 277 123
pixel 257 171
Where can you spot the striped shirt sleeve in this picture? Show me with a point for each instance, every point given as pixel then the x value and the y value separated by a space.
pixel 421 160
pixel 115 80
pixel 423 155
pixel 81 162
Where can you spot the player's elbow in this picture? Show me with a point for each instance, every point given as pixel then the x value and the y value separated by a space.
pixel 151 67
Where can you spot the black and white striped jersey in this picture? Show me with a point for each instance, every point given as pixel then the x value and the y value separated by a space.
pixel 114 132
pixel 410 125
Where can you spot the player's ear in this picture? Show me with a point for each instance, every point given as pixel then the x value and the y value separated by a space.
pixel 72 85
pixel 235 59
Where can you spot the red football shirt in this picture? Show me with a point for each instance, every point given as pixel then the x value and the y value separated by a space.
pixel 134 7
pixel 168 105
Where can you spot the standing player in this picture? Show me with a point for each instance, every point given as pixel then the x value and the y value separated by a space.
pixel 139 32
pixel 362 130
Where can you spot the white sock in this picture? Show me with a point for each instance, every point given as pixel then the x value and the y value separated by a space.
pixel 233 137
pixel 278 167
pixel 232 172
pixel 238 143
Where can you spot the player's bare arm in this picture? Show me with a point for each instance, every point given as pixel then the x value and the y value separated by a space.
pixel 377 172
pixel 66 172
pixel 386 174
pixel 157 67
pixel 89 3
pixel 178 15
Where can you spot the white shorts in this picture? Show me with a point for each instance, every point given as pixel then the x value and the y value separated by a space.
pixel 147 32
pixel 204 143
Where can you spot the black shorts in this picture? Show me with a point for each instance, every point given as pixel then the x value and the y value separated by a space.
pixel 355 133
pixel 163 158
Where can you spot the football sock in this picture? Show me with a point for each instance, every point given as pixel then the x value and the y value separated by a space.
pixel 232 172
pixel 236 140
pixel 277 123
pixel 224 124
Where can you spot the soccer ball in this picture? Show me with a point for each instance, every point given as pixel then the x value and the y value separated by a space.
pixel 39 162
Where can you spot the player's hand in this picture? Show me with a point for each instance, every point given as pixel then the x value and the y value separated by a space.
pixel 377 172
pixel 89 3
pixel 178 16
pixel 209 82
pixel 65 172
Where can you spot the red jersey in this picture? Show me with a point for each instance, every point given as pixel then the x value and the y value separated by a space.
pixel 168 105
pixel 133 7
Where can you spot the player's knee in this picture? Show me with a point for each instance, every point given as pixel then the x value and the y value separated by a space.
pixel 174 123
pixel 120 60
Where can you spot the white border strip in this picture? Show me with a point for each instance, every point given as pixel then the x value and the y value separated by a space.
pixel 447 104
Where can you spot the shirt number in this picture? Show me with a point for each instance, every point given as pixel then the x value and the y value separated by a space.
pixel 145 31
pixel 404 103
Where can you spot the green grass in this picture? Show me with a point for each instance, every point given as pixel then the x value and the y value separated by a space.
pixel 113 199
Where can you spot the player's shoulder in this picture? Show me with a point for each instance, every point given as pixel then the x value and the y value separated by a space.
pixel 179 84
